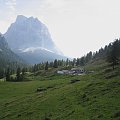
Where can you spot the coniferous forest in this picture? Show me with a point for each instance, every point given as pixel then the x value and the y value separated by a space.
pixel 12 64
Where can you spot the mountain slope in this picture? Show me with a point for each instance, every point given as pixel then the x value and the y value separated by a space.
pixel 27 33
pixel 92 97
pixel 38 54
pixel 6 55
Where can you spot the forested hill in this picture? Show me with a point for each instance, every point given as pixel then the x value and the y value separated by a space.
pixel 7 57
pixel 110 53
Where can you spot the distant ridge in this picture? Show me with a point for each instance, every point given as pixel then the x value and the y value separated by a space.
pixel 6 55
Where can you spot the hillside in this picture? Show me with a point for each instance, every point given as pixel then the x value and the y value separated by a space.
pixel 7 56
pixel 48 96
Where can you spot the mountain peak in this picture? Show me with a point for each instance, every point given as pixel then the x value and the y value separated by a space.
pixel 31 17
pixel 21 18
pixel 29 32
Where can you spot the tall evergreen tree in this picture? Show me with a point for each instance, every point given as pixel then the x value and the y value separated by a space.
pixel 67 62
pixel 23 71
pixel 51 64
pixel 46 66
pixel 55 63
pixel 88 57
pixel 82 61
pixel 74 62
pixel 113 55
pixel 8 75
pixel 18 76
pixel 78 62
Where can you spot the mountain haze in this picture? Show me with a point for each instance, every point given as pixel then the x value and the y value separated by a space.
pixel 30 39
pixel 6 54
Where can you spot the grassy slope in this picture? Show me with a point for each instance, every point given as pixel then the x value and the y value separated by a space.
pixel 94 97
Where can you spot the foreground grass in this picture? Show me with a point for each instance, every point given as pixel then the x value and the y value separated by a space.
pixel 62 97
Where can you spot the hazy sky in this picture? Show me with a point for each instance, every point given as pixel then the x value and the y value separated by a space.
pixel 76 26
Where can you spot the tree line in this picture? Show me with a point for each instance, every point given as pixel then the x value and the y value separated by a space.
pixel 19 74
pixel 111 53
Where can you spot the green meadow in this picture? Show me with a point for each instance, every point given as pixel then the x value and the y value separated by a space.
pixel 49 96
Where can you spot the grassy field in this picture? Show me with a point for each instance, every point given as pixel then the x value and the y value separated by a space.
pixel 94 96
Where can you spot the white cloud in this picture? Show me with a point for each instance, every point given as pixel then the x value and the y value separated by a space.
pixel 55 3
pixel 59 6
pixel 7 13
pixel 11 4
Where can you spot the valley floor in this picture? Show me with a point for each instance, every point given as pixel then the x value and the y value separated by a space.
pixel 61 97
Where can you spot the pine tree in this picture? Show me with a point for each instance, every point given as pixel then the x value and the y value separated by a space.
pixel 2 73
pixel 74 62
pixel 113 55
pixel 82 61
pixel 55 63
pixel 88 57
pixel 78 62
pixel 46 66
pixel 8 75
pixel 51 64
pixel 23 71
pixel 18 76
pixel 67 62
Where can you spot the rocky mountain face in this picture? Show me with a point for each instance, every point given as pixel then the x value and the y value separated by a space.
pixel 6 55
pixel 29 36
pixel 3 43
